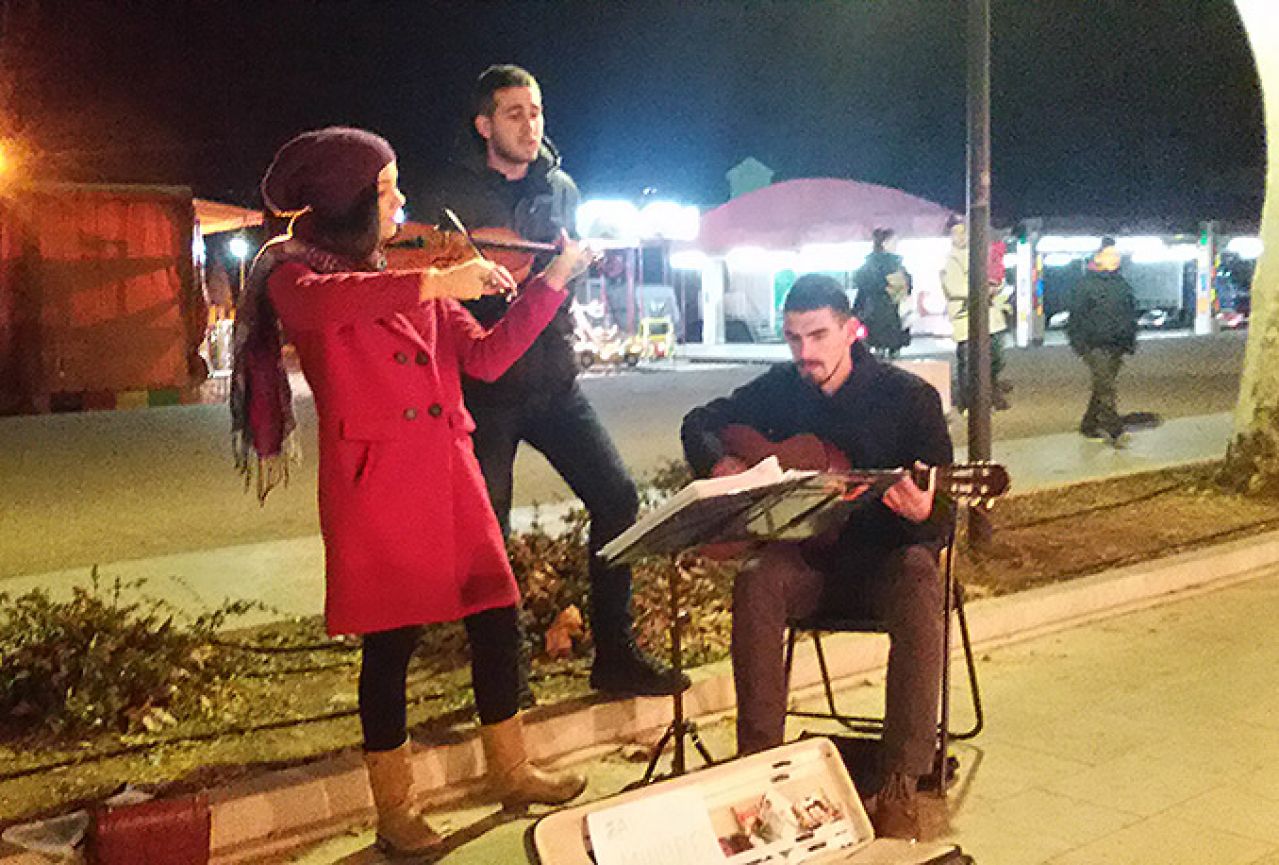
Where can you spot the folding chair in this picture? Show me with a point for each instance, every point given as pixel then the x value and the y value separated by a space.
pixel 953 601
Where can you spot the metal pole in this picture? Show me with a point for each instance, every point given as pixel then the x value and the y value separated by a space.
pixel 979 437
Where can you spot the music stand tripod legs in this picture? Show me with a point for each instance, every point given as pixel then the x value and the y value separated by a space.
pixel 679 726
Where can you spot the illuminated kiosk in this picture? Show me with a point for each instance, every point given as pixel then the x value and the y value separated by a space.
pixel 633 280
pixel 1197 277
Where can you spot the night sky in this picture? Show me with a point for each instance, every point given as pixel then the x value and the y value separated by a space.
pixel 1141 108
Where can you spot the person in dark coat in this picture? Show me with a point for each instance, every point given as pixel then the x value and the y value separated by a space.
pixel 1102 328
pixel 884 562
pixel 383 352
pixel 507 174
pixel 882 285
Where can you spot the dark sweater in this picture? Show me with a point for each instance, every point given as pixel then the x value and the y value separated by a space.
pixel 882 417
pixel 1103 313
pixel 537 207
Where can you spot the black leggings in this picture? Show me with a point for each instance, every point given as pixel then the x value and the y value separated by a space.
pixel 384 667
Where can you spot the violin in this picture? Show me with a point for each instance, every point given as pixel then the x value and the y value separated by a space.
pixel 419 246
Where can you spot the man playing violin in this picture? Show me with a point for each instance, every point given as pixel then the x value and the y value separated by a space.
pixel 508 174
pixel 884 562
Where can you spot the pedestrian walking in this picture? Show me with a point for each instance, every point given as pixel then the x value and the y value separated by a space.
pixel 1102 328
pixel 883 286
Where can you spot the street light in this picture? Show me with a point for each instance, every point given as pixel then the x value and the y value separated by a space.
pixel 239 247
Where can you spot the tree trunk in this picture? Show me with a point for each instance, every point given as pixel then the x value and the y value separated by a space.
pixel 1252 459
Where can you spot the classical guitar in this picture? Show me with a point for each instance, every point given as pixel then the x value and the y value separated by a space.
pixel 967 483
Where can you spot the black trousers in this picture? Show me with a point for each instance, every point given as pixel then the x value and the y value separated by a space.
pixel 1102 414
pixel 494 639
pixel 565 429
pixel 963 396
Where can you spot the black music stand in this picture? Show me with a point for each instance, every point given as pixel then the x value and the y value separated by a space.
pixel 788 506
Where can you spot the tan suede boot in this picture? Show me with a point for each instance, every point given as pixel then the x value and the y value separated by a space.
pixel 513 779
pixel 401 827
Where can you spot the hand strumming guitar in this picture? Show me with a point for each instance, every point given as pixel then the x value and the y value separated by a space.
pixel 907 500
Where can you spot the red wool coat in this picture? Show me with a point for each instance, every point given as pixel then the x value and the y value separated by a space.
pixel 409 534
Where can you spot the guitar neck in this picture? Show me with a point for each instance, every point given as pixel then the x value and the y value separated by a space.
pixel 873 476
pixel 971 482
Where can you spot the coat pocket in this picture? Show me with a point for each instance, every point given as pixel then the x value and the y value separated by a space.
pixel 363 440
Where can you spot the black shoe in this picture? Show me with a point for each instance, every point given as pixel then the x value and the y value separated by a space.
pixel 1093 434
pixel 631 673
pixel 998 403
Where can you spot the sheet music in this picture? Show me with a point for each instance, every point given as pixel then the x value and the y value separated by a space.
pixel 692 515
pixel 669 829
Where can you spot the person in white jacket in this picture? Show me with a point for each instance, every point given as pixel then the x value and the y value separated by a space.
pixel 954 283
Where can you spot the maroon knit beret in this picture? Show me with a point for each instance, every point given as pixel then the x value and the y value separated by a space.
pixel 325 170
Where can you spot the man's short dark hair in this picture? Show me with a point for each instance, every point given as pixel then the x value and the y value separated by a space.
pixel 493 79
pixel 814 291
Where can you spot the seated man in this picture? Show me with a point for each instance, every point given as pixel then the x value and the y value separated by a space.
pixel 884 562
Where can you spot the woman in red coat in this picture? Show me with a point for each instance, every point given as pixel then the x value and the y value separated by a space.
pixel 409 535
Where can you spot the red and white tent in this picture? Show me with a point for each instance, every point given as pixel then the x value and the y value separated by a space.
pixel 788 215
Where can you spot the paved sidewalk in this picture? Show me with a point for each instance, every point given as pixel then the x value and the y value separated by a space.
pixel 1151 737
pixel 287 575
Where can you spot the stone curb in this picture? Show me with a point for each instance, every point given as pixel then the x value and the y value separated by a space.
pixel 255 817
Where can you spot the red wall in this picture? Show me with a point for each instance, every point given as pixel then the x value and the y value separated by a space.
pixel 97 291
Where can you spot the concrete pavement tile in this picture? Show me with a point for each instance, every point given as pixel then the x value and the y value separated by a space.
pixel 1142 782
pixel 1008 770
pixel 1230 749
pixel 1037 811
pixel 1168 841
pixel 1231 809
pixel 1262 711
pixel 1270 858
pixel 1093 738
pixel 988 840
pixel 1264 782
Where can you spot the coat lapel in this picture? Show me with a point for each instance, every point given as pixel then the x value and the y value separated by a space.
pixel 400 323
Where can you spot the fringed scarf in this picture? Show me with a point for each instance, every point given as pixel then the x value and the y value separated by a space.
pixel 262 419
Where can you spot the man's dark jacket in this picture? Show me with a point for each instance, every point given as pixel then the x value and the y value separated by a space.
pixel 1103 313
pixel 883 417
pixel 536 207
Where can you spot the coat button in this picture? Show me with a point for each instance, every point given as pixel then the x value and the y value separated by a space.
pixel 401 357
pixel 410 413
pixel 423 358
pixel 435 410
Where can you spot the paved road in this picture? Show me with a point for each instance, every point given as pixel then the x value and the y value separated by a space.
pixel 101 487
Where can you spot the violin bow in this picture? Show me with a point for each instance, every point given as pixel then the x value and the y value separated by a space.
pixel 478 245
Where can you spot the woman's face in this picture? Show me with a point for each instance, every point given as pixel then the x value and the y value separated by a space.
pixel 389 200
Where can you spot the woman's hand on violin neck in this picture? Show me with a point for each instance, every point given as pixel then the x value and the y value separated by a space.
pixel 572 261
pixel 466 281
